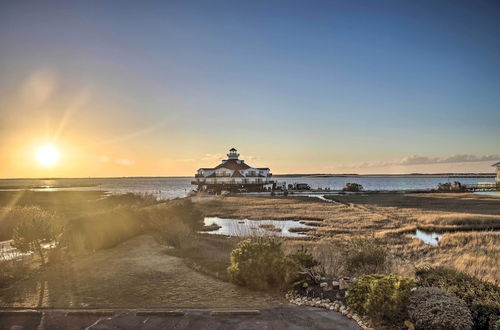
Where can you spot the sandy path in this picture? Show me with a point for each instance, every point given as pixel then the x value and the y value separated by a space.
pixel 136 273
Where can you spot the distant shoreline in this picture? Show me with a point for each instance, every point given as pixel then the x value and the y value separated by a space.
pixel 319 175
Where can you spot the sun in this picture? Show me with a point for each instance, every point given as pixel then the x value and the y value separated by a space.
pixel 47 155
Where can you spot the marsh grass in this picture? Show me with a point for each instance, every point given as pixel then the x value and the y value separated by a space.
pixel 391 218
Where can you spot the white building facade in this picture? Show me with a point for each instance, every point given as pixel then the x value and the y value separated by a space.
pixel 233 174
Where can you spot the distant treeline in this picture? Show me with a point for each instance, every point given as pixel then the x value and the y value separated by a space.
pixel 449 175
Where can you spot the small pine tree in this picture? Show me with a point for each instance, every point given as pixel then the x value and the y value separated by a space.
pixel 30 234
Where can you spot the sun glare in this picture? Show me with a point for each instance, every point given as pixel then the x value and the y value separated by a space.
pixel 47 155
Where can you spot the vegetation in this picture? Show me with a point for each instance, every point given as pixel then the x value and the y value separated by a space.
pixel 262 264
pixel 33 231
pixel 380 296
pixel 175 222
pixel 258 264
pixel 451 187
pixel 433 308
pixel 352 187
pixel 482 298
pixel 391 219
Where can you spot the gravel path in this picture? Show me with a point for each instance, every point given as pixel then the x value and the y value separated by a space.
pixel 135 274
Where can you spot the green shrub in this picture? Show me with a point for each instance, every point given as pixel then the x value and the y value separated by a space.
pixel 380 296
pixel 482 298
pixel 433 308
pixel 259 264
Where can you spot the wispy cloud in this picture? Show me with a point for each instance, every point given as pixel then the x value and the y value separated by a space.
pixel 417 160
pixel 423 160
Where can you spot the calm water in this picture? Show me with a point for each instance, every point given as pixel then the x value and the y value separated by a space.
pixel 167 188
pixel 428 238
pixel 245 227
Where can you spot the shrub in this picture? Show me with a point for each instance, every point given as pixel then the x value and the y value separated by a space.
pixel 103 230
pixel 173 223
pixel 353 187
pixel 364 256
pixel 482 298
pixel 433 308
pixel 259 264
pixel 13 216
pixel 380 296
pixel 32 232
pixel 299 267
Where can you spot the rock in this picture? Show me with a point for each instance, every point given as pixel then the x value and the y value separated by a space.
pixel 323 284
pixel 331 308
pixel 409 325
pixel 349 315
pixel 343 284
pixel 335 284
pixel 305 285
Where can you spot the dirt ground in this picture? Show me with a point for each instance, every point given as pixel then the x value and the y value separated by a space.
pixel 137 273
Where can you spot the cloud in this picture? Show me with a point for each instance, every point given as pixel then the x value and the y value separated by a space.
pixel 124 161
pixel 418 160
pixel 423 160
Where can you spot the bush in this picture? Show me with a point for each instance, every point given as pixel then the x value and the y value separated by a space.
pixel 103 230
pixel 175 222
pixel 482 298
pixel 364 256
pixel 15 215
pixel 380 296
pixel 259 264
pixel 433 308
pixel 298 267
pixel 33 231
pixel 353 187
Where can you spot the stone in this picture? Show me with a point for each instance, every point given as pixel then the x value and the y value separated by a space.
pixel 335 284
pixel 305 285
pixel 323 284
pixel 349 315
pixel 343 284
pixel 331 308
pixel 409 325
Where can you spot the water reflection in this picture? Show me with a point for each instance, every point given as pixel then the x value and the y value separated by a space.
pixel 428 238
pixel 246 227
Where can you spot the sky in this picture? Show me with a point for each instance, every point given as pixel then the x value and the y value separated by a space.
pixel 162 88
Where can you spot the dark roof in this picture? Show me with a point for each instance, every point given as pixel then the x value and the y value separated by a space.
pixel 262 168
pixel 232 149
pixel 233 164
pixel 237 174
pixel 496 164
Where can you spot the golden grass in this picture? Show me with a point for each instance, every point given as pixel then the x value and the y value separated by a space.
pixel 393 218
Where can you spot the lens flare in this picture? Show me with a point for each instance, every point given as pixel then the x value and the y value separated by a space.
pixel 47 155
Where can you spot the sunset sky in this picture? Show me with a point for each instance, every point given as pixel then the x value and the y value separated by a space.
pixel 144 88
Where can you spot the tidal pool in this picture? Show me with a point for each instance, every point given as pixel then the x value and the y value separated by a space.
pixel 246 227
pixel 428 238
